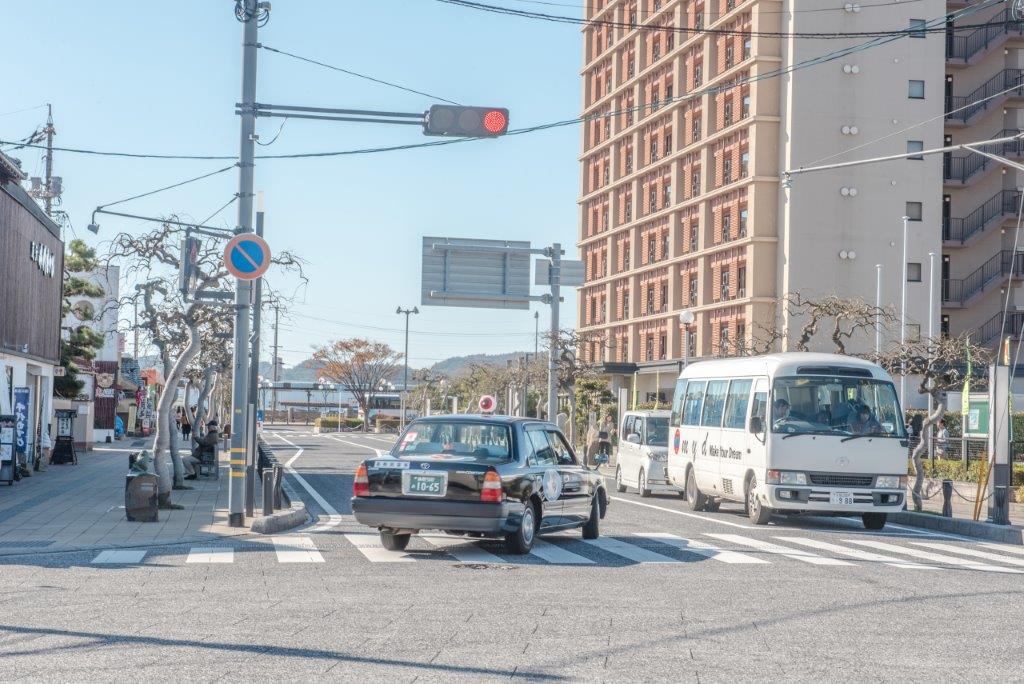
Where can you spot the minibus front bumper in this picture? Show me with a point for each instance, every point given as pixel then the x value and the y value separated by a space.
pixel 812 498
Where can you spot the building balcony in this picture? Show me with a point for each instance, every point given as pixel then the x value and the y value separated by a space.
pixel 989 95
pixel 959 292
pixel 962 169
pixel 961 48
pixel 957 232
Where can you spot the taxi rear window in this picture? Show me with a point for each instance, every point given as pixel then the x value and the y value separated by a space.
pixel 470 441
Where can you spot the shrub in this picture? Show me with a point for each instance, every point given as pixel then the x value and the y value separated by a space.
pixel 955 470
pixel 332 423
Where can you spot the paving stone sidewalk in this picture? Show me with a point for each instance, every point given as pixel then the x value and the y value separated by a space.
pixel 82 506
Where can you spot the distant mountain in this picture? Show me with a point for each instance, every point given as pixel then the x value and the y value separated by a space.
pixel 457 365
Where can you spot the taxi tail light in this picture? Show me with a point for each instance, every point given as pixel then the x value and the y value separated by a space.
pixel 491 490
pixel 361 483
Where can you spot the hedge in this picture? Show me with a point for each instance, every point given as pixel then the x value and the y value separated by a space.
pixel 954 420
pixel 955 470
pixel 332 423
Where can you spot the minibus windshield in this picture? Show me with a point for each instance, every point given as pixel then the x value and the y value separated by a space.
pixel 823 405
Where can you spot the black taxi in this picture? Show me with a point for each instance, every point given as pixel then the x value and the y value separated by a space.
pixel 483 476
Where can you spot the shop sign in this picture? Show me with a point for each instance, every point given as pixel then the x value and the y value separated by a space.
pixel 42 256
pixel 21 419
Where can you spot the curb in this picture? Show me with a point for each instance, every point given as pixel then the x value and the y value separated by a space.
pixel 1006 534
pixel 280 521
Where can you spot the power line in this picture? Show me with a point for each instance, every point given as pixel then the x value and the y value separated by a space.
pixel 168 187
pixel 357 74
pixel 809 35
pixel 26 109
pixel 437 333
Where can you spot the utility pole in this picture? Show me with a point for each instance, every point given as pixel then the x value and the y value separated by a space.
pixel 254 374
pixel 556 279
pixel 248 13
pixel 277 361
pixel 135 335
pixel 50 132
pixel 405 379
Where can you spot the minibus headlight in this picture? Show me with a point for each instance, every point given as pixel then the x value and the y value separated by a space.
pixel 891 481
pixel 786 477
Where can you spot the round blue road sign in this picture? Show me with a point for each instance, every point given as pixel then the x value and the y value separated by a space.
pixel 247 256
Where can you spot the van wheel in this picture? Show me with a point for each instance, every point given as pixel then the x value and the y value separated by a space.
pixel 694 497
pixel 394 542
pixel 758 513
pixel 873 521
pixel 641 484
pixel 619 487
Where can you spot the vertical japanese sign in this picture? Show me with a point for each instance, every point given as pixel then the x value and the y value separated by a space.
pixel 21 419
pixel 7 424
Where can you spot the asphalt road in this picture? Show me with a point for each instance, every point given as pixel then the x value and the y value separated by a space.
pixel 666 594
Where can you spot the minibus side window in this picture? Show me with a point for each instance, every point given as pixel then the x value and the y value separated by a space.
pixel 714 403
pixel 736 404
pixel 693 402
pixel 677 403
pixel 759 407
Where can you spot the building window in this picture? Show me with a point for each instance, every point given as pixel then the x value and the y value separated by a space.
pixel 662 346
pixel 656 51
pixel 666 195
pixel 604 219
pixel 730 54
pixel 745 106
pixel 664 297
pixel 743 223
pixel 917 28
pixel 913 272
pixel 629 162
pixel 727 169
pixel 670 41
pixel 625 257
pixel 741 337
pixel 650 347
pixel 723 338
pixel 629 115
pixel 651 250
pixel 914 211
pixel 727 112
pixel 668 142
pixel 664 245
pixel 607 127
pixel 915 146
pixel 654 150
pixel 747 48
pixel 631 68
pixel 915 90
pixel 693 289
pixel 698 21
pixel 654 98
pixel 695 129
pixel 741 281
pixel 693 238
pixel 913 332
pixel 695 183
pixel 607 173
pixel 652 201
pixel 698 76
pixel 691 341
pixel 726 226
pixel 629 208
pixel 625 304
pixel 632 19
pixel 725 282
pixel 650 300
pixel 744 164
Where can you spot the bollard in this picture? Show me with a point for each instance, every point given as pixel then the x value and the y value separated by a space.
pixel 268 494
pixel 278 483
pixel 1000 510
pixel 947 498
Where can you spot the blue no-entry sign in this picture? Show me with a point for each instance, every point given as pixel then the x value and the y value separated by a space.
pixel 247 256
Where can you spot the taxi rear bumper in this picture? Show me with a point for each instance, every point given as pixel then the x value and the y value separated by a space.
pixel 420 514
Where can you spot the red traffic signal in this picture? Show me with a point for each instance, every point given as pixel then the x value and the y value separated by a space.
pixel 466 122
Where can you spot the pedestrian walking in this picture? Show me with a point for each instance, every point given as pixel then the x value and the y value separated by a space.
pixel 186 426
pixel 941 440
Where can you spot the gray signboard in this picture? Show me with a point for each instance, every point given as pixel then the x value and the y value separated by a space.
pixel 573 273
pixel 492 274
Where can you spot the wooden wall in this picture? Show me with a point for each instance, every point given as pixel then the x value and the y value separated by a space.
pixel 30 300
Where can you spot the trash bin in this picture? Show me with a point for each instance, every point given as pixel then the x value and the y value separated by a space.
pixel 140 497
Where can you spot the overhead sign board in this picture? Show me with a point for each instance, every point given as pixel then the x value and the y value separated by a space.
pixel 247 256
pixel 573 273
pixel 492 274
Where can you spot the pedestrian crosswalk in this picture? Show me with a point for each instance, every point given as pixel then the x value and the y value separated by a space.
pixel 636 549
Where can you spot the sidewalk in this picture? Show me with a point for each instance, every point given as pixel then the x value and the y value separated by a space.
pixel 81 506
pixel 962 508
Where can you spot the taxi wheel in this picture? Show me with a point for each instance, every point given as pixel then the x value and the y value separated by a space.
pixel 591 530
pixel 394 542
pixel 619 487
pixel 641 484
pixel 521 541
pixel 694 497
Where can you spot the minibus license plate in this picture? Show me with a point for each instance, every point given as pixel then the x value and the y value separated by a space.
pixel 841 498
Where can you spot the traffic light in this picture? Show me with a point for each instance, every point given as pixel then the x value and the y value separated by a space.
pixel 466 122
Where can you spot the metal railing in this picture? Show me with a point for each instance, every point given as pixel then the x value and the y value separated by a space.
pixel 960 290
pixel 964 47
pixel 962 167
pixel 963 107
pixel 1003 203
pixel 990 329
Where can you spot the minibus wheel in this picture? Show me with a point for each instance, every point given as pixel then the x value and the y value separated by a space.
pixel 758 513
pixel 873 521
pixel 694 497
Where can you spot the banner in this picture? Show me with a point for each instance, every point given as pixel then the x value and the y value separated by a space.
pixel 21 419
pixel 965 397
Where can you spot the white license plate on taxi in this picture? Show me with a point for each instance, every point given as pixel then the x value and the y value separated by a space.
pixel 841 498
pixel 419 483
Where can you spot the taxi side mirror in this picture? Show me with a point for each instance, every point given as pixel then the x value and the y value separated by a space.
pixel 756 425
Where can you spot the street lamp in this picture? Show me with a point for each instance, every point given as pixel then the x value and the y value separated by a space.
pixel 903 320
pixel 405 378
pixel 686 317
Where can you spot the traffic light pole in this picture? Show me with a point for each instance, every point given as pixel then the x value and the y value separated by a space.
pixel 243 288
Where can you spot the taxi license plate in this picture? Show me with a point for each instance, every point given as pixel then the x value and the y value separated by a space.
pixel 424 484
pixel 841 498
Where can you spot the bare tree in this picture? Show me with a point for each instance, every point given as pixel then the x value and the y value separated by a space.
pixel 360 366
pixel 847 318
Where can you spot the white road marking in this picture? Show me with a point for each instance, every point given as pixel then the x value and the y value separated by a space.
pixel 120 557
pixel 369 545
pixel 768 547
pixel 375 450
pixel 987 555
pixel 700 548
pixel 857 553
pixel 556 554
pixel 683 513
pixel 935 557
pixel 461 549
pixel 297 549
pixel 333 517
pixel 1003 547
pixel 211 554
pixel 630 551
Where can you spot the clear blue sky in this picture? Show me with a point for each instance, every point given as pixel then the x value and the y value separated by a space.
pixel 164 77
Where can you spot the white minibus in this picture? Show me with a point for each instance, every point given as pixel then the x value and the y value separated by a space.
pixel 793 432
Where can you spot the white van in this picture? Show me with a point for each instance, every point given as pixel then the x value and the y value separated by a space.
pixel 794 432
pixel 643 449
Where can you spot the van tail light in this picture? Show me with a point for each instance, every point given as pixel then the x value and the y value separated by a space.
pixel 491 491
pixel 361 483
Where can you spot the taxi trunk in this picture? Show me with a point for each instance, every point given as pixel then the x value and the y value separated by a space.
pixel 427 477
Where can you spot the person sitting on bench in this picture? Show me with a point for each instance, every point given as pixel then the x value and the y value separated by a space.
pixel 205 451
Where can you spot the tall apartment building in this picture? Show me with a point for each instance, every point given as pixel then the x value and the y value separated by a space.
pixel 682 204
pixel 981 198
